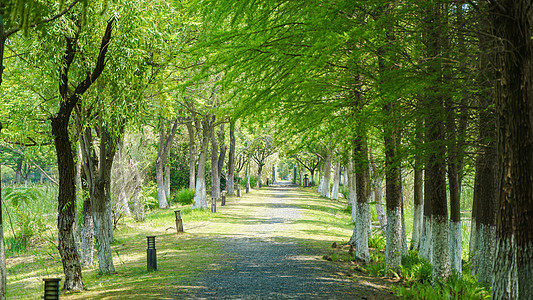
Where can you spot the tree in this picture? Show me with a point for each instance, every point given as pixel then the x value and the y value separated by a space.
pixel 513 269
pixel 65 158
pixel 262 147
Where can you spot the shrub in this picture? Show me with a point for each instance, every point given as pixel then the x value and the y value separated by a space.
pixel 149 196
pixel 344 191
pixel 183 196
pixel 253 182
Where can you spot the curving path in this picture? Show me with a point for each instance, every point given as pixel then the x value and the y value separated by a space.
pixel 265 265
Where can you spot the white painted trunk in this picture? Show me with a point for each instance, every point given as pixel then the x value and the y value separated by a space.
pixel 320 185
pixel 378 197
pixel 200 194
pixel 361 230
pixel 485 252
pixel 455 247
pixel 405 248
pixel 161 191
pixel 441 248
pixel 393 250
pixel 426 247
pixel 505 272
pixel 167 181
pixel 336 182
pixel 103 243
pixel 327 176
pixel 87 234
pixel 417 227
pixel 472 247
pixel 352 196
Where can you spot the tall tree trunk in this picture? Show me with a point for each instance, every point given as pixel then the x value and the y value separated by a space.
pixel 200 195
pixel 395 226
pixel 259 175
pixel 165 142
pixel 192 155
pixel 325 192
pixel 223 150
pixel 230 185
pixel 352 199
pixel 3 269
pixel 362 177
pixel 436 169
pixel 167 178
pixel 418 195
pixel 513 263
pixel 248 176
pixel 483 232
pixel 378 195
pixel 455 192
pixel 215 178
pixel 66 203
pixel 336 181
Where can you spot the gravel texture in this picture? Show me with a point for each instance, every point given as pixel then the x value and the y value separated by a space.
pixel 265 265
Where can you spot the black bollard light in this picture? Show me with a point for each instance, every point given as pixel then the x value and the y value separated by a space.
pixel 51 288
pixel 151 257
pixel 223 198
pixel 179 222
pixel 213 205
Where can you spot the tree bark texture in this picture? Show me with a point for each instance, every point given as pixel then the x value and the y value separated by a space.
pixel 215 178
pixel 165 142
pixel 336 181
pixel 513 264
pixel 325 191
pixel 230 185
pixel 200 195
pixel 3 269
pixel 192 155
pixel 362 178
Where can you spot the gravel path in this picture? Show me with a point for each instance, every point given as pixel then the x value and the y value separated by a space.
pixel 265 265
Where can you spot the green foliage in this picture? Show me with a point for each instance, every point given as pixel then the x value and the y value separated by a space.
pixel 414 268
pixel 149 196
pixel 457 287
pixel 377 240
pixel 417 273
pixel 27 210
pixel 344 191
pixel 184 196
pixel 253 182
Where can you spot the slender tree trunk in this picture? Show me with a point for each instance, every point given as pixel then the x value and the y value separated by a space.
pixel 483 234
pixel 259 175
pixel 222 154
pixel 248 176
pixel 165 142
pixel 378 196
pixel 336 181
pixel 418 199
pixel 325 192
pixel 231 161
pixel 215 178
pixel 513 263
pixel 352 199
pixel 66 204
pixel 362 178
pixel 192 155
pixel 200 195
pixel 3 269
pixel 395 225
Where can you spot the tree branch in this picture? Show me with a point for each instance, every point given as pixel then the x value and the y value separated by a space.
pixel 44 21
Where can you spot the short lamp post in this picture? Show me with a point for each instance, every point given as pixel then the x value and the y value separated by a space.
pixel 151 257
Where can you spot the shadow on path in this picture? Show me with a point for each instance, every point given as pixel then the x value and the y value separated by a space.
pixel 264 265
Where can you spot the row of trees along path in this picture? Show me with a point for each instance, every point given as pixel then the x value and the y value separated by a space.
pixel 268 258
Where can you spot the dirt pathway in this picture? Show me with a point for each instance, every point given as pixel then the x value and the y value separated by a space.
pixel 264 264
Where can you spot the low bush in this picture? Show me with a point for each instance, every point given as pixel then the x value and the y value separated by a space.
pixel 184 196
